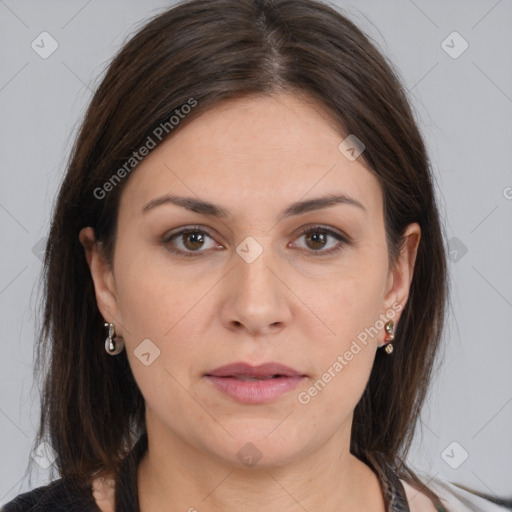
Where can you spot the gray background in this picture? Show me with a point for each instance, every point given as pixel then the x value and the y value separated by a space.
pixel 464 108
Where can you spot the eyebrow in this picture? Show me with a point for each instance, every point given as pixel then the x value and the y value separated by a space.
pixel 206 208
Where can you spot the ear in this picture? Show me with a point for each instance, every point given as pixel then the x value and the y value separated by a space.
pixel 400 275
pixel 102 276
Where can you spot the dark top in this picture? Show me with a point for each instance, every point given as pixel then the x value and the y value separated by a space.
pixel 62 496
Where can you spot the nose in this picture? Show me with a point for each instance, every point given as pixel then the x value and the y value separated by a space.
pixel 256 296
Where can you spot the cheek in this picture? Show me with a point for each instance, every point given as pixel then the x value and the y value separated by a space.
pixel 350 303
pixel 153 295
pixel 166 305
pixel 349 307
pixel 158 307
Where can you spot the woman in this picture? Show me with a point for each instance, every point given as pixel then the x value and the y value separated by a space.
pixel 245 278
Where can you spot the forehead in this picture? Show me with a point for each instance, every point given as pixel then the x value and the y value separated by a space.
pixel 255 152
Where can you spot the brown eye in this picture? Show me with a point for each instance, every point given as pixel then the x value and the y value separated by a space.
pixel 193 240
pixel 189 242
pixel 317 239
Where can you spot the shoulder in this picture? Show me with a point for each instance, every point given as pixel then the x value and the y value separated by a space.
pixel 454 499
pixel 417 501
pixel 461 499
pixel 57 496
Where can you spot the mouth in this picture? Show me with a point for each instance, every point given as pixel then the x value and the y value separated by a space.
pixel 254 384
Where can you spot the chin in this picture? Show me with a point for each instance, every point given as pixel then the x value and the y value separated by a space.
pixel 263 447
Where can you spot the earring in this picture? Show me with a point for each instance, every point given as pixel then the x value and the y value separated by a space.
pixel 113 347
pixel 390 336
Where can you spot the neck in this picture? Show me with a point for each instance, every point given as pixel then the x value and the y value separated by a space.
pixel 176 476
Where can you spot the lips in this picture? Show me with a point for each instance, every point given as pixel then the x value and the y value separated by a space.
pixel 244 371
pixel 253 385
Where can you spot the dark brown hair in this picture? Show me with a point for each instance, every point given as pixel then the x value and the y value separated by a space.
pixel 208 51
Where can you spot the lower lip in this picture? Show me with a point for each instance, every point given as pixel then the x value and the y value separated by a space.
pixel 255 391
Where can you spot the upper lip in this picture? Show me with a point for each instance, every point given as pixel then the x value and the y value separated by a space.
pixel 262 370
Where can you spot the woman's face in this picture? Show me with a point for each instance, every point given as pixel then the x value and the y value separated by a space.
pixel 249 286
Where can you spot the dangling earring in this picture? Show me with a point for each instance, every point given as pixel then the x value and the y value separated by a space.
pixel 113 347
pixel 390 336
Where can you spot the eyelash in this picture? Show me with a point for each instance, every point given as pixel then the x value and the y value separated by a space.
pixel 311 229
